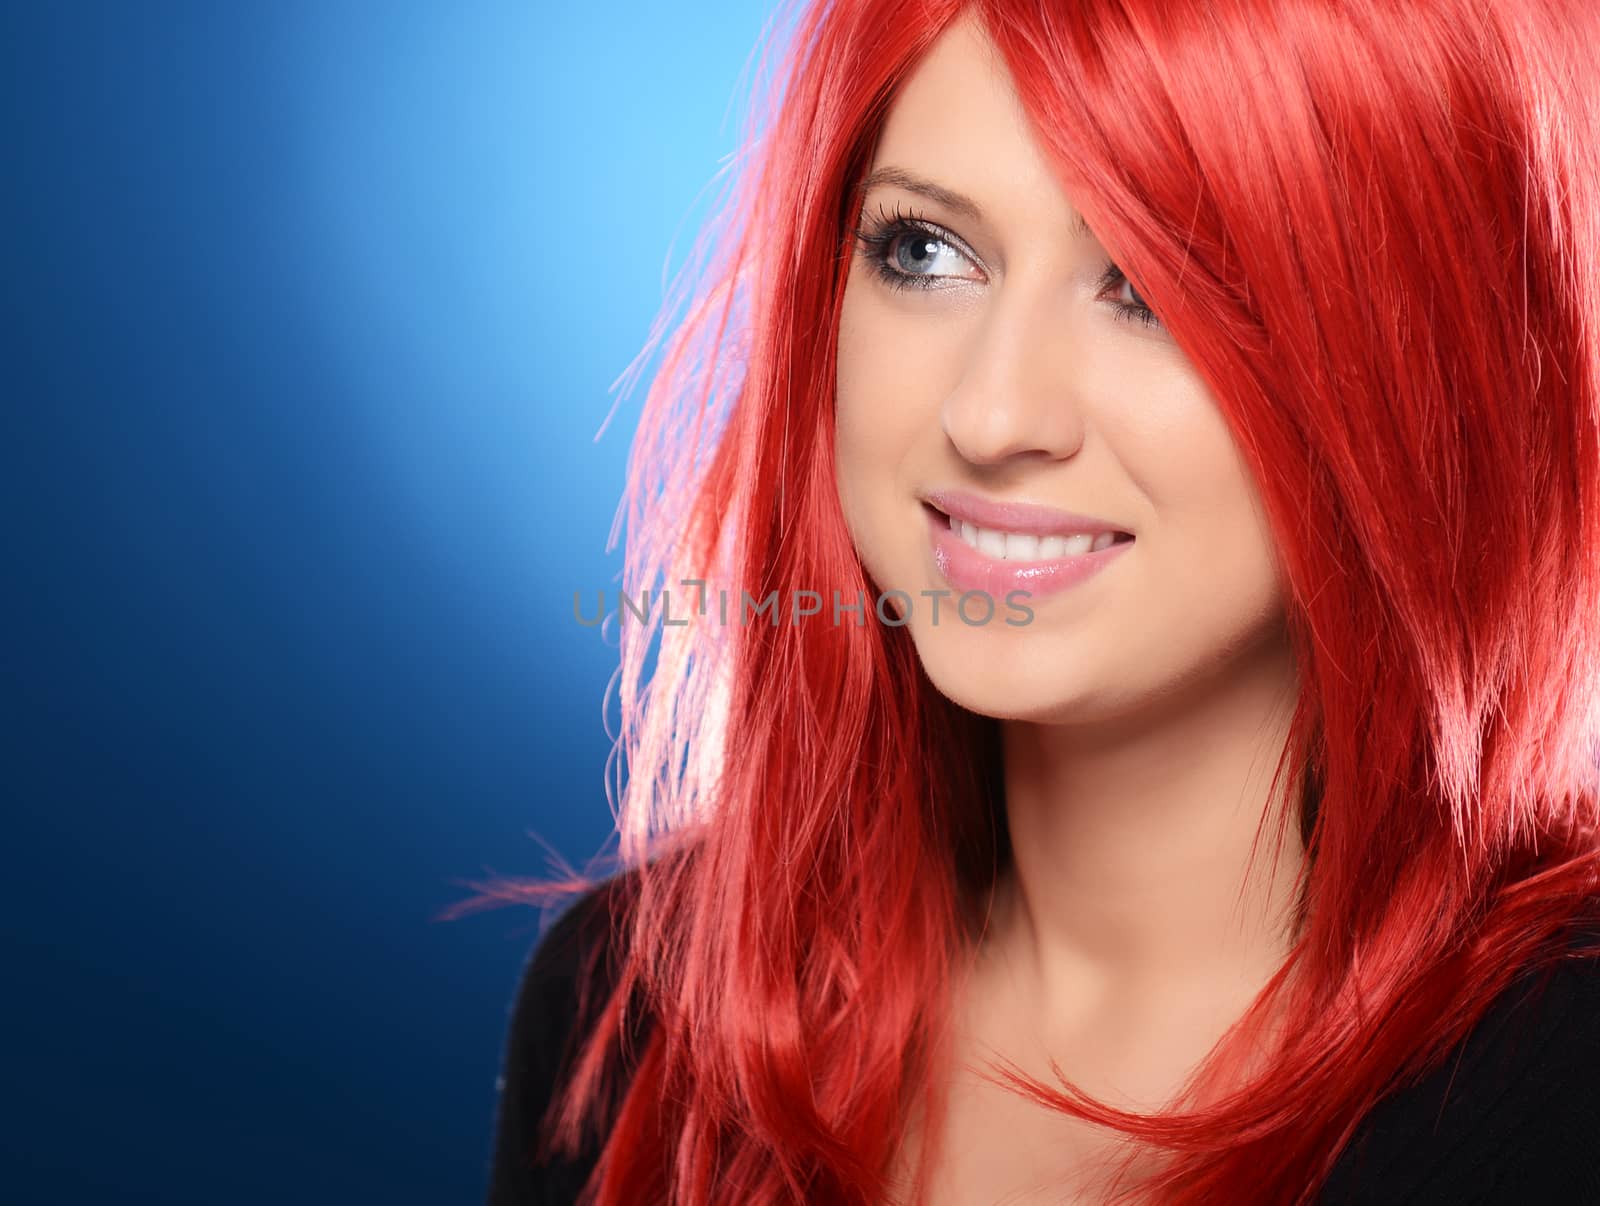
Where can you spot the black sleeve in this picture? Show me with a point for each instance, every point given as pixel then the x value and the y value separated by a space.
pixel 1511 1119
pixel 540 1037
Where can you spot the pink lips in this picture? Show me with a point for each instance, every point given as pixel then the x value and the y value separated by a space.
pixel 1027 518
pixel 967 569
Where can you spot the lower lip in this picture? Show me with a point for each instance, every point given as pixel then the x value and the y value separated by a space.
pixel 966 569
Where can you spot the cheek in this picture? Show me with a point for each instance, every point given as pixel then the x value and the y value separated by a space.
pixel 880 412
pixel 895 363
pixel 852 432
pixel 1216 546
pixel 1230 549
pixel 1175 444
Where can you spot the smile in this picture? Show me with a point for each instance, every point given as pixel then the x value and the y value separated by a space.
pixel 1024 546
pixel 999 563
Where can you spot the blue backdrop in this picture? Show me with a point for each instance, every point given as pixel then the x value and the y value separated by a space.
pixel 312 314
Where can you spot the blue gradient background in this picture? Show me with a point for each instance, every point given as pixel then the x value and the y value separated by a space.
pixel 312 314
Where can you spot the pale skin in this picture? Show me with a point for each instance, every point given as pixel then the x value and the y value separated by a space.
pixel 1142 710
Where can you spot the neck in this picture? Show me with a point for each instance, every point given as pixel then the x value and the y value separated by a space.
pixel 1137 874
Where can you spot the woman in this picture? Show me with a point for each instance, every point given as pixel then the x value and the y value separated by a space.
pixel 1249 853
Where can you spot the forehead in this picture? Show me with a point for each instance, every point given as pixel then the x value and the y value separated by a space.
pixel 957 121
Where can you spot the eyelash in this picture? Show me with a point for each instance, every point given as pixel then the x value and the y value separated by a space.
pixel 879 235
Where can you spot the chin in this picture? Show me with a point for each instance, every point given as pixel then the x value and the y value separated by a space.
pixel 1008 680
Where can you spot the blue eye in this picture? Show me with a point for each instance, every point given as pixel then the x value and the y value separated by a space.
pixel 1136 310
pixel 885 239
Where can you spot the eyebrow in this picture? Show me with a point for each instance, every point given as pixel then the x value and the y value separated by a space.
pixel 894 177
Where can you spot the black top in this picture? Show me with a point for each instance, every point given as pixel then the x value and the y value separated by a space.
pixel 1513 1116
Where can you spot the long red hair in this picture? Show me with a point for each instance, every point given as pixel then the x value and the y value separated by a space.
pixel 1374 229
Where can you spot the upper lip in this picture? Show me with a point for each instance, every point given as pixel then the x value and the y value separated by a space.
pixel 1029 518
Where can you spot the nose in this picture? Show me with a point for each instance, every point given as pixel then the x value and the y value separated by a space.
pixel 1017 396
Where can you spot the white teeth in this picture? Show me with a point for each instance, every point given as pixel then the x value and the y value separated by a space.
pixel 1018 546
pixel 1021 548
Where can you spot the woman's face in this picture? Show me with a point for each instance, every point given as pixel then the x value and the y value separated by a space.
pixel 1002 369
